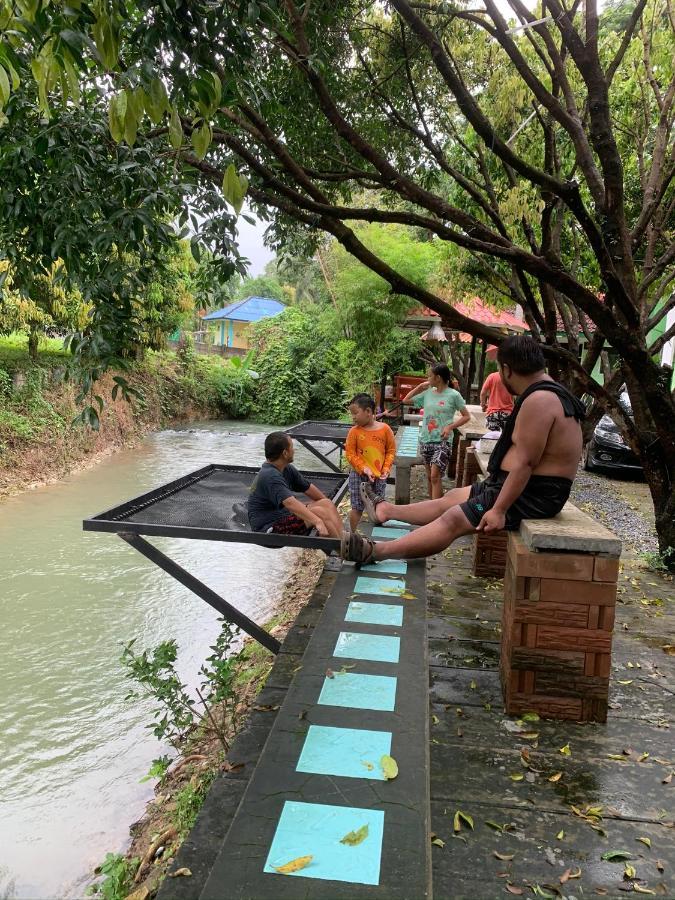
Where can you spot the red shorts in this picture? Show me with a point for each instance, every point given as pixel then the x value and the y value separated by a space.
pixel 290 524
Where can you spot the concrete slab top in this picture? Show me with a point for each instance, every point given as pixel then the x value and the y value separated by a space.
pixel 571 529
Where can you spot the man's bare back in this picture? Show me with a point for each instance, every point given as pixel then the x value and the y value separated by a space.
pixel 542 413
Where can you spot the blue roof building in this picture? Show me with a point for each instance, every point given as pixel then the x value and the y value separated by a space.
pixel 230 325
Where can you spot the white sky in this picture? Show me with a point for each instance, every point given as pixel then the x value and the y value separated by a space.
pixel 251 243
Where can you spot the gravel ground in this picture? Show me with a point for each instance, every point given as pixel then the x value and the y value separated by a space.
pixel 624 506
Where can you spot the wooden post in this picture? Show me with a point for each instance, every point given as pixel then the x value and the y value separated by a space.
pixel 481 367
pixel 472 369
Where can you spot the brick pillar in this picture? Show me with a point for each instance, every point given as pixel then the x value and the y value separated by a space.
pixel 489 554
pixel 557 624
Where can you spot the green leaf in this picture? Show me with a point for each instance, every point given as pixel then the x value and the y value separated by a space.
pixel 130 127
pixel 72 80
pixel 389 767
pixel 175 129
pixel 4 87
pixel 460 817
pixel 616 855
pixel 156 101
pixel 116 116
pixel 234 188
pixel 355 837
pixel 201 138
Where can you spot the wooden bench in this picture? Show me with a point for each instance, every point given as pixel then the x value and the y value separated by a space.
pixel 560 578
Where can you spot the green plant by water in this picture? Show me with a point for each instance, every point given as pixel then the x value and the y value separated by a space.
pixel 176 712
pixel 118 874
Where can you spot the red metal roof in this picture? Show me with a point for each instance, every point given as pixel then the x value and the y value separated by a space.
pixel 475 308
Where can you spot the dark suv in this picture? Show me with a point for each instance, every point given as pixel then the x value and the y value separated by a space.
pixel 607 448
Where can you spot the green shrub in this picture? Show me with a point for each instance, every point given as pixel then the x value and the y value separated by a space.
pixel 189 801
pixel 118 875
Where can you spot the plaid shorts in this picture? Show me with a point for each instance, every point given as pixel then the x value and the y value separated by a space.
pixel 290 524
pixel 379 486
pixel 436 455
pixel 495 421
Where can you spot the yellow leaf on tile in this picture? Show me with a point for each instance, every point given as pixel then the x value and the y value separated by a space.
pixel 294 865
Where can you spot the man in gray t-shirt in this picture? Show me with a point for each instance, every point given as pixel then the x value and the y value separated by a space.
pixel 272 503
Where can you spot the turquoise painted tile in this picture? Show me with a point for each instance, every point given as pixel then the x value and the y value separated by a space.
pixel 357 691
pixel 387 567
pixel 381 532
pixel 384 587
pixel 316 829
pixel 375 647
pixel 346 752
pixel 375 613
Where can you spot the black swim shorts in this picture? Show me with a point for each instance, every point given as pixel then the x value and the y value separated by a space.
pixel 544 496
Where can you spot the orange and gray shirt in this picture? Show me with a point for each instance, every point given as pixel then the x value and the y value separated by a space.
pixel 372 449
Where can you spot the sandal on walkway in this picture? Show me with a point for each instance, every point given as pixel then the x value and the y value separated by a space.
pixel 370 501
pixel 356 549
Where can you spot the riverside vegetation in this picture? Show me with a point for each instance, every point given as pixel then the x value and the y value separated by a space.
pixel 199 729
pixel 39 402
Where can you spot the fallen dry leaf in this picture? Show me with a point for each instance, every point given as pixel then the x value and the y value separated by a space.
pixel 644 840
pixel 517 776
pixel 512 889
pixel 566 750
pixel 435 720
pixel 669 649
pixel 556 777
pixel 460 817
pixel 141 894
pixel 667 779
pixel 642 890
pixel 183 873
pixel 354 838
pixel 301 862
pixel 560 835
pixel 389 767
pixel 660 865
pixel 629 872
pixel 438 842
pixel 505 857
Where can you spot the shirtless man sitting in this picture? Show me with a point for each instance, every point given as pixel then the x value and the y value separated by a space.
pixel 530 471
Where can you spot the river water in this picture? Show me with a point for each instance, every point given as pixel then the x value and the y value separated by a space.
pixel 72 750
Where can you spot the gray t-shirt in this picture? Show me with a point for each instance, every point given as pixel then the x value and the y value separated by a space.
pixel 269 490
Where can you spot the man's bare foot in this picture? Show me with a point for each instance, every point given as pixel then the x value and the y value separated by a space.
pixel 370 501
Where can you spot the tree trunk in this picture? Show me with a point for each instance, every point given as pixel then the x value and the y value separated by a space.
pixel 658 462
pixel 33 339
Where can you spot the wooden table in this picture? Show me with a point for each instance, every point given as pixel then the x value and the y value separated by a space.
pixel 473 430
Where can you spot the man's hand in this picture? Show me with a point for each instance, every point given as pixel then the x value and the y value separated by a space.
pixel 493 520
pixel 445 433
pixel 483 405
pixel 321 529
pixel 384 475
pixel 369 475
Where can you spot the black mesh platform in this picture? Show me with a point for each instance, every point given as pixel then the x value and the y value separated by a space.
pixel 320 431
pixel 208 504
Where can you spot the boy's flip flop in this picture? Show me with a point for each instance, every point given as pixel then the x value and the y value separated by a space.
pixel 355 548
pixel 370 501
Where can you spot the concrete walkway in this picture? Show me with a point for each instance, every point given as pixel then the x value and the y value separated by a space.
pixel 518 807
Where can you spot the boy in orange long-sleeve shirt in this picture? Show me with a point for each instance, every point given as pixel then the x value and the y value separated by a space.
pixel 370 450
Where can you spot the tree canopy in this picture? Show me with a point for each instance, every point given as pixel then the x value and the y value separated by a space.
pixel 538 148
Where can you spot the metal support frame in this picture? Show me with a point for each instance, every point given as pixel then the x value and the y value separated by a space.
pixel 201 590
pixel 323 457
